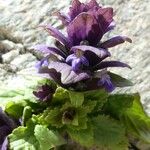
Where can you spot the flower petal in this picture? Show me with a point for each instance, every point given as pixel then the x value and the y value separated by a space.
pixel 115 41
pixel 93 59
pixel 111 26
pixel 51 74
pixel 56 34
pixel 84 27
pixel 76 8
pixel 45 92
pixel 65 20
pixel 98 51
pixel 106 82
pixel 70 58
pixel 84 61
pixel 43 62
pixel 48 50
pixel 62 47
pixel 92 4
pixel 105 18
pixel 106 64
pixel 76 63
pixel 4 145
pixel 68 76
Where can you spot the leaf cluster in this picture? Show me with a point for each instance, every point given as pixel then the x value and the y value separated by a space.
pixel 91 119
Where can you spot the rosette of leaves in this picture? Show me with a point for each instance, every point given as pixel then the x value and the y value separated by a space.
pixel 73 107
pixel 93 119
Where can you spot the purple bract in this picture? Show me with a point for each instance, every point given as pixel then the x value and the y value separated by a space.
pixel 78 56
pixel 44 93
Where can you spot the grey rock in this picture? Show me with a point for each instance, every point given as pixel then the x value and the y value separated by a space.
pixel 6 45
pixel 8 57
pixel 23 60
pixel 20 47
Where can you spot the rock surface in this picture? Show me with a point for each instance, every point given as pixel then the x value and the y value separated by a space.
pixel 19 32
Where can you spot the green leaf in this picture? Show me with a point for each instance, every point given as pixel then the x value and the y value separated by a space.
pixel 69 114
pixel 72 117
pixel 77 98
pixel 47 138
pixel 18 94
pixel 117 104
pixel 81 116
pixel 76 118
pixel 15 109
pixel 107 132
pixel 6 92
pixel 99 96
pixel 7 95
pixel 61 96
pixel 83 137
pixel 119 81
pixel 22 138
pixel 123 145
pixel 89 106
pixel 51 117
pixel 136 121
pixel 27 114
pixel 96 95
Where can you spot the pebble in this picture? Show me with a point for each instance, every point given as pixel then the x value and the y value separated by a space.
pixel 22 60
pixel 8 57
pixel 6 45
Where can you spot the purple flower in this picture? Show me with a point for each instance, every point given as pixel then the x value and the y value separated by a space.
pixel 6 126
pixel 77 61
pixel 45 93
pixel 106 82
pixel 78 56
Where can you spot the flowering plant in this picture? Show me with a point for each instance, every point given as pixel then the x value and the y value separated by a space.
pixel 74 104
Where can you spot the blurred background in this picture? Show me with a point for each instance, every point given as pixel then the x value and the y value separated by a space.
pixel 19 20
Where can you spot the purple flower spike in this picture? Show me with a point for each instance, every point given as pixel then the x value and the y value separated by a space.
pixel 81 54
